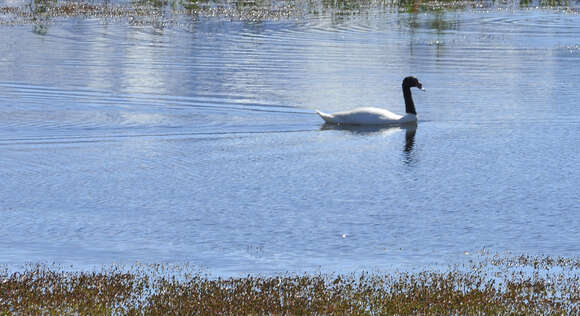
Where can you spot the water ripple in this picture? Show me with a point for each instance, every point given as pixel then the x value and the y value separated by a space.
pixel 137 140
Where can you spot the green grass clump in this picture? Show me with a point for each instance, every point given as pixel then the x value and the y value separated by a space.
pixel 500 285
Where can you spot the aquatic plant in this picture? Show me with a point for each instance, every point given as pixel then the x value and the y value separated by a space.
pixel 242 10
pixel 495 285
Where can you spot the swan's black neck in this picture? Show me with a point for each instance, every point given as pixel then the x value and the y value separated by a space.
pixel 409 105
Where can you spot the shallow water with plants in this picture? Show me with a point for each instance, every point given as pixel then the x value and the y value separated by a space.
pixel 495 285
pixel 185 132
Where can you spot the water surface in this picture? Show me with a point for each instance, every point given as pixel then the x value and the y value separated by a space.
pixel 197 142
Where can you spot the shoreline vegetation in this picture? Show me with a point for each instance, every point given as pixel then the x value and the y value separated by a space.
pixel 487 285
pixel 174 11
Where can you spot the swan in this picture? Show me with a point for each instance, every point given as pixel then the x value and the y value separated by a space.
pixel 377 116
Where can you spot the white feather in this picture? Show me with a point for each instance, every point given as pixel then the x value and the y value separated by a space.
pixel 367 116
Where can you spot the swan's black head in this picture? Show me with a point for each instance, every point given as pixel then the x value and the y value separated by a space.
pixel 411 81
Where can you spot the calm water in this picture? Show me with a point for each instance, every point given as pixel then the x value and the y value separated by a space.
pixel 198 143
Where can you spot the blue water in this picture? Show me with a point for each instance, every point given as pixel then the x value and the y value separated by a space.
pixel 198 143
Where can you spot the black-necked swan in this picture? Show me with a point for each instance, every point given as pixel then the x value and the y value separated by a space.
pixel 377 116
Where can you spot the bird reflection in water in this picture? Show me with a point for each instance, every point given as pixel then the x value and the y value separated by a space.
pixel 410 131
pixel 408 155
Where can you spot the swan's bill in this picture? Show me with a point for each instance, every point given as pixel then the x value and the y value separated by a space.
pixel 422 89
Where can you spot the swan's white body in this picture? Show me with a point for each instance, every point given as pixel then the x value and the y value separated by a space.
pixel 368 116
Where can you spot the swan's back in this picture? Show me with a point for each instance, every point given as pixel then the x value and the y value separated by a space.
pixel 363 116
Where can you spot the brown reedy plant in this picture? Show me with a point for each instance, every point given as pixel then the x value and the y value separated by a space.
pixel 498 285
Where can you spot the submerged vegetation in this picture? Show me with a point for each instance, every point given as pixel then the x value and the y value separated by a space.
pixel 35 11
pixel 496 285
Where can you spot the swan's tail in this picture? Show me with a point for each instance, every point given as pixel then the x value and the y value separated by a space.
pixel 328 118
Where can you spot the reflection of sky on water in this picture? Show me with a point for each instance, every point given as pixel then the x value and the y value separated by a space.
pixel 302 65
pixel 317 63
pixel 196 144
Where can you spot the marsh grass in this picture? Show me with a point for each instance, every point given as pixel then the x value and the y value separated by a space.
pixel 495 285
pixel 168 11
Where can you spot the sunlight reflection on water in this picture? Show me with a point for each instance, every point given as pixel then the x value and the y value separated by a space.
pixel 119 144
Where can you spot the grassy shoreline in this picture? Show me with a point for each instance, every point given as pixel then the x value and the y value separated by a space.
pixel 496 285
pixel 167 11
